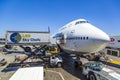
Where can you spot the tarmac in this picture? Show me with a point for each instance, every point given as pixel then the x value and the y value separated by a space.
pixel 67 72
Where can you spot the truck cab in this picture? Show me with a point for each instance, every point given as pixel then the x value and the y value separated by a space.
pixel 56 60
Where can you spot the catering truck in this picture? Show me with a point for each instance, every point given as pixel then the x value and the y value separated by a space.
pixel 34 44
pixel 26 39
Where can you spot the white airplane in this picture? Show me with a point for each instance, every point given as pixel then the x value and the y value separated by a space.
pixel 79 36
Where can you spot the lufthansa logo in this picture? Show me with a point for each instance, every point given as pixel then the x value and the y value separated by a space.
pixel 15 37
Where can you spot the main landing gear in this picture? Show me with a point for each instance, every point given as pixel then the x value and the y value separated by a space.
pixel 77 62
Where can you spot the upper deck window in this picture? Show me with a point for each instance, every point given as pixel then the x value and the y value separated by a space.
pixel 79 22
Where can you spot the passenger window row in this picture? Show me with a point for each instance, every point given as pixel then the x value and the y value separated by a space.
pixel 77 38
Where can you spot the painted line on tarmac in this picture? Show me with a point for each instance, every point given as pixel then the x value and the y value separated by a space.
pixel 57 73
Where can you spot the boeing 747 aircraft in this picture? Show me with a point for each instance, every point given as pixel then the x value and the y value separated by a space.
pixel 79 36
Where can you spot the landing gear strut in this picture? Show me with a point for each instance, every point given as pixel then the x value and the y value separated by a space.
pixel 77 61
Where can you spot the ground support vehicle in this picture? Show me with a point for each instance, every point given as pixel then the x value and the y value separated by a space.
pixel 93 56
pixel 38 57
pixel 56 60
pixel 112 61
pixel 95 71
pixel 26 39
pixel 29 74
pixel 53 49
pixel 32 61
pixel 36 46
pixel 53 53
pixel 2 62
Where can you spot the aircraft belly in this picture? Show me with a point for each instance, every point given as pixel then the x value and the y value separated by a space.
pixel 79 46
pixel 75 46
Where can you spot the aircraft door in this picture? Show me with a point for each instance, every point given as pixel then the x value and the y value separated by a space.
pixel 61 39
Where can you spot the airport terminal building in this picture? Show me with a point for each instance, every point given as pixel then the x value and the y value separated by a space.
pixel 113 49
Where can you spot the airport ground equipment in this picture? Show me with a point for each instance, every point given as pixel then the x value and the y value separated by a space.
pixel 53 49
pixel 107 58
pixel 31 73
pixel 26 39
pixel 54 57
pixel 111 55
pixel 52 60
pixel 53 52
pixel 38 56
pixel 95 71
pixel 35 45
pixel 93 56
pixel 56 60
pixel 3 62
pixel 2 41
pixel 112 61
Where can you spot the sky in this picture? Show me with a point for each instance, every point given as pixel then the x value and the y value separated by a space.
pixel 38 15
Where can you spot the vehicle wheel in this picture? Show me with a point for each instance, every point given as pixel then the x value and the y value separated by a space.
pixel 76 64
pixel 8 46
pixel 27 65
pixel 91 76
pixel 24 66
pixel 89 57
pixel 4 63
pixel 97 58
pixel 27 49
pixel 80 63
pixel 59 64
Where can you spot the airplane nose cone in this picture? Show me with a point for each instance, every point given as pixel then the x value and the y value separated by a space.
pixel 102 36
pixel 106 39
pixel 101 40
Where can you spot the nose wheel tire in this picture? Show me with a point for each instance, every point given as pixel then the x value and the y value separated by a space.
pixel 59 64
pixel 77 64
pixel 91 76
pixel 8 47
pixel 27 49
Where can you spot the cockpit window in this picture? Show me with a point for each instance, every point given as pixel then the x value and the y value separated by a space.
pixel 79 22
